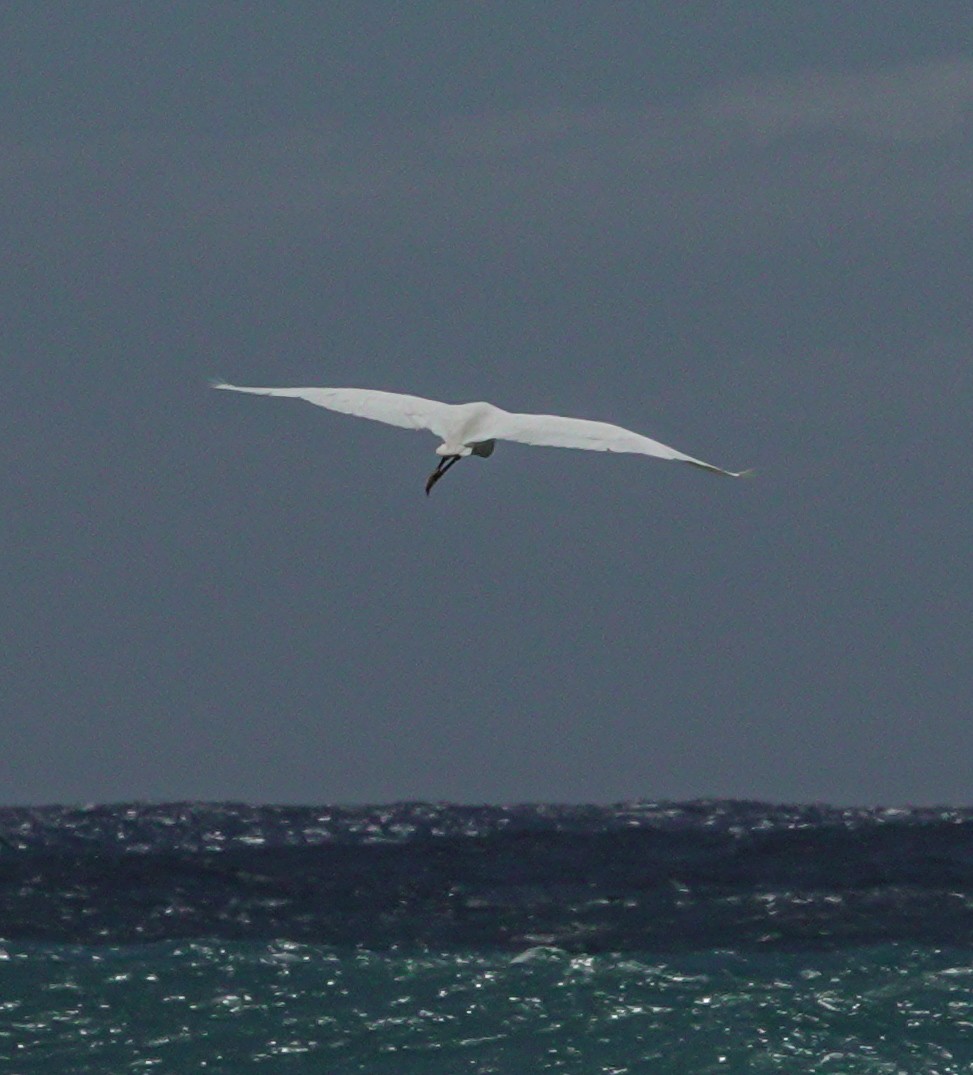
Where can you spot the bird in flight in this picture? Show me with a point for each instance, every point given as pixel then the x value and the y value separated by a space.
pixel 474 428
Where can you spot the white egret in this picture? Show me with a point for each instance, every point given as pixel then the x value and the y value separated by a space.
pixel 474 428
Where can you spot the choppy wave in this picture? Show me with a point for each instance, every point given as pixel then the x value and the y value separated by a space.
pixel 286 1007
pixel 633 877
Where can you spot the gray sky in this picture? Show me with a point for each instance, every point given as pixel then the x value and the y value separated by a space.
pixel 742 229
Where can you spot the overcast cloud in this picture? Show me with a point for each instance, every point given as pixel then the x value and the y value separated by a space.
pixel 739 163
pixel 747 235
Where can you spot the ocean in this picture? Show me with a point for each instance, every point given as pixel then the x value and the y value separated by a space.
pixel 432 938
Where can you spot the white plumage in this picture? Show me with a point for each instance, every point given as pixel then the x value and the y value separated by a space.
pixel 473 428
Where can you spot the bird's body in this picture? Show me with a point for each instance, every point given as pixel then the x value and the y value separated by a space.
pixel 473 428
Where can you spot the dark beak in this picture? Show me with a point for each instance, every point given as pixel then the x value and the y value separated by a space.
pixel 444 464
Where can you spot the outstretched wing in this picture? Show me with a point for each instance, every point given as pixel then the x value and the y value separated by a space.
pixel 553 431
pixel 407 412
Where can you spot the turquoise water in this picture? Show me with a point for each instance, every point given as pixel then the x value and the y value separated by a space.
pixel 435 939
pixel 178 1007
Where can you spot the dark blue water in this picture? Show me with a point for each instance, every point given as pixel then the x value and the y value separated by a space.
pixel 644 937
